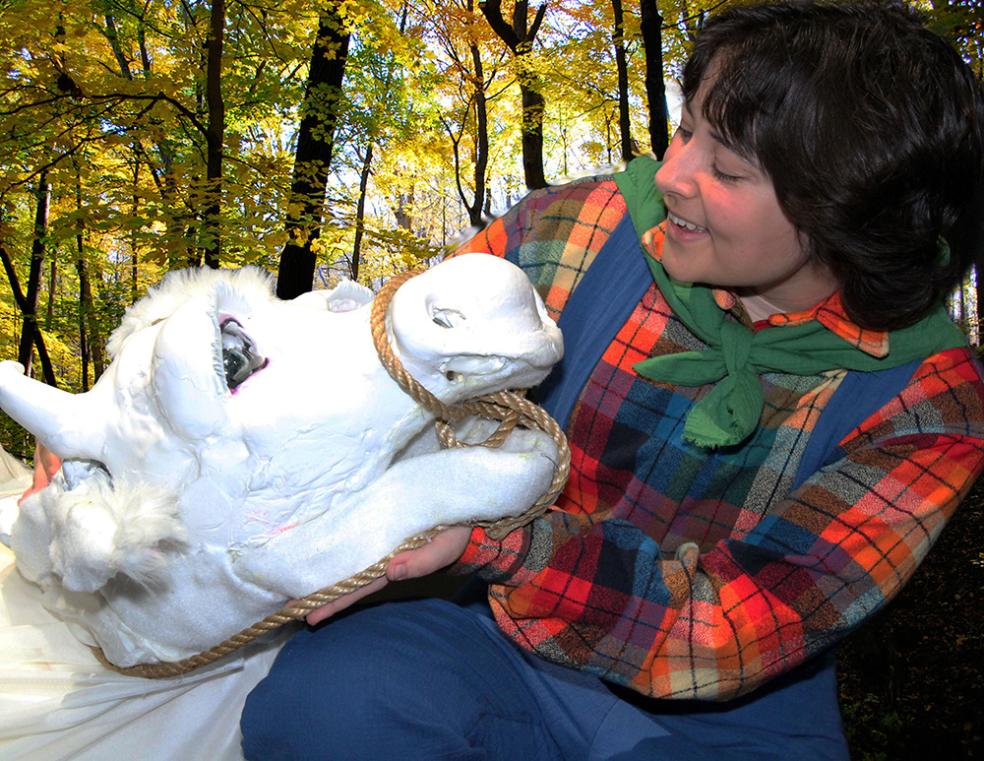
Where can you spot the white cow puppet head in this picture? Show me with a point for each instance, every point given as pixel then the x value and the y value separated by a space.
pixel 241 450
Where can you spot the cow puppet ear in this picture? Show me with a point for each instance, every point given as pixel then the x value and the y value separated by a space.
pixel 344 297
pixel 187 377
pixel 348 295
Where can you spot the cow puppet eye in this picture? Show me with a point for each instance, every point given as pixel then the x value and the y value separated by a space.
pixel 239 357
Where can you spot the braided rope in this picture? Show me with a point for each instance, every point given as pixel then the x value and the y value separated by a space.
pixel 507 407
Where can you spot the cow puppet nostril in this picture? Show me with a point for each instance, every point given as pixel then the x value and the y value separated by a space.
pixel 447 318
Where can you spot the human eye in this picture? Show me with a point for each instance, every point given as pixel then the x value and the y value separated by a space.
pixel 683 132
pixel 729 167
pixel 724 176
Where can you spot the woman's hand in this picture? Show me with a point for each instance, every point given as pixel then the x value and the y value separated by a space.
pixel 46 464
pixel 440 552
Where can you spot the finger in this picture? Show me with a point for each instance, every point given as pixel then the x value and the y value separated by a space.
pixel 46 464
pixel 444 549
pixel 50 462
pixel 335 606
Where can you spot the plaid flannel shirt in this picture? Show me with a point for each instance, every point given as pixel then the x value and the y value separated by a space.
pixel 689 573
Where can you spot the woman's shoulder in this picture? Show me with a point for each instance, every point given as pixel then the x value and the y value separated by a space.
pixel 579 210
pixel 944 396
pixel 566 210
pixel 956 371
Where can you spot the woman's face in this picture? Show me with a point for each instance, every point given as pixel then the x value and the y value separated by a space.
pixel 725 225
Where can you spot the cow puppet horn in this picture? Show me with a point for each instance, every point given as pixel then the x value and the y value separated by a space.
pixel 67 424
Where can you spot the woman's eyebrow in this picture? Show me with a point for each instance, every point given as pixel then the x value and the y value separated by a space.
pixel 720 139
pixel 732 146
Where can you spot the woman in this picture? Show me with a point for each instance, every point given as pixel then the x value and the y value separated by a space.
pixel 770 417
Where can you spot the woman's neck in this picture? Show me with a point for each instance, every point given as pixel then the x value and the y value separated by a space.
pixel 758 308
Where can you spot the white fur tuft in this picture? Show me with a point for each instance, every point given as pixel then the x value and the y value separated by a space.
pixel 149 532
pixel 179 286
pixel 88 535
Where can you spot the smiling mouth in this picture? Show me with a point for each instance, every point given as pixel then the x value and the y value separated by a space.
pixel 681 222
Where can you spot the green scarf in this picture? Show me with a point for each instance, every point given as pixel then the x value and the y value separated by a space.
pixel 736 356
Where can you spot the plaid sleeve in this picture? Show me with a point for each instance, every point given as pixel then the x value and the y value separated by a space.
pixel 554 234
pixel 597 593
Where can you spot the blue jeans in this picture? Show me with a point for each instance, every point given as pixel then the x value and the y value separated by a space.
pixel 433 680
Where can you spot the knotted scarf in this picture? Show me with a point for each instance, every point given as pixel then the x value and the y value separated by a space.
pixel 736 356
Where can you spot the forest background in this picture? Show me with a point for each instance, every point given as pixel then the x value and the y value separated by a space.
pixel 356 138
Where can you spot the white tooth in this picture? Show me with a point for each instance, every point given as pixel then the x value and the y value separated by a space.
pixel 684 223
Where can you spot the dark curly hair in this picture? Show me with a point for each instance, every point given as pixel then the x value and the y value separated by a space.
pixel 871 128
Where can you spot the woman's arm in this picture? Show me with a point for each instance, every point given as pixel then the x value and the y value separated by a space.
pixel 599 594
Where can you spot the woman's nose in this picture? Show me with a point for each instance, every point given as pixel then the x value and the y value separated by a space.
pixel 675 176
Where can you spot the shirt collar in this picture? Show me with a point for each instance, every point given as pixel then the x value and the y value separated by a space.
pixel 830 312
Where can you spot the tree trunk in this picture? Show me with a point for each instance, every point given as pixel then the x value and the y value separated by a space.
pixel 113 37
pixel 49 315
pixel 652 41
pixel 21 301
pixel 312 156
pixel 90 336
pixel 482 141
pixel 28 303
pixel 215 134
pixel 360 212
pixel 479 201
pixel 134 254
pixel 533 105
pixel 80 268
pixel 403 211
pixel 42 196
pixel 519 39
pixel 622 67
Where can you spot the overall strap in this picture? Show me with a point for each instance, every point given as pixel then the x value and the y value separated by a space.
pixel 859 396
pixel 607 294
pixel 601 303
